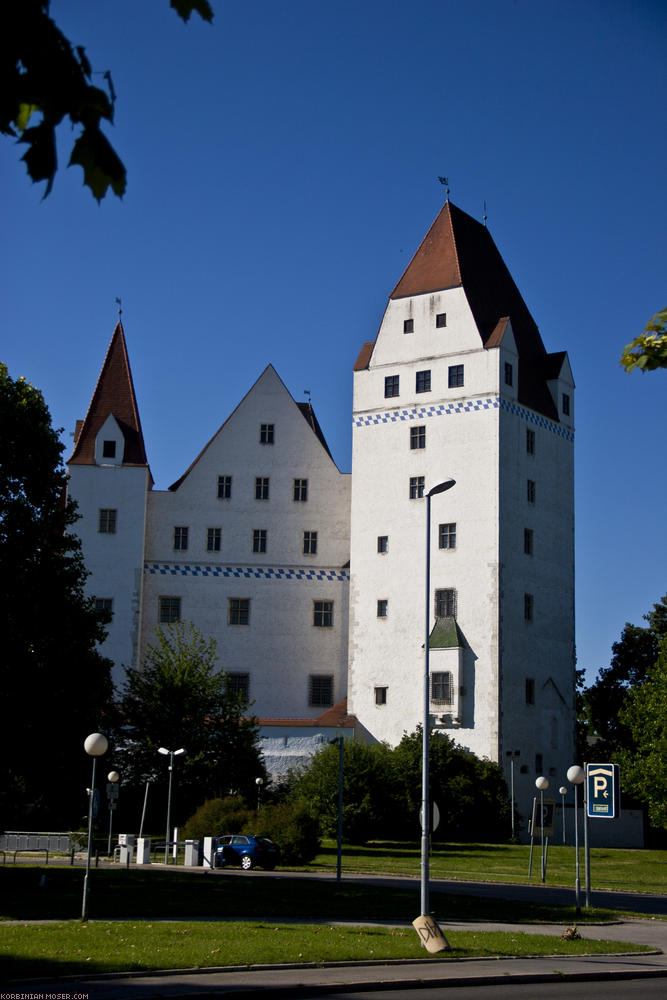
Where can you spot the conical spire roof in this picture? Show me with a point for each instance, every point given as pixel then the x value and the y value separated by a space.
pixel 114 394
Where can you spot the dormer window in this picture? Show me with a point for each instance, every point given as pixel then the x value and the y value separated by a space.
pixel 108 449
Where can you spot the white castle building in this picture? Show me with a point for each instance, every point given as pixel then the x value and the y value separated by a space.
pixel 312 581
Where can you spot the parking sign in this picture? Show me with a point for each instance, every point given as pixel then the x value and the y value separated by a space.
pixel 602 784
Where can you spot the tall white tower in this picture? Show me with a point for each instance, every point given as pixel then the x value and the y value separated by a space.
pixel 459 384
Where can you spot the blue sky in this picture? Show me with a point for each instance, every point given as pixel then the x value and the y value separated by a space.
pixel 282 169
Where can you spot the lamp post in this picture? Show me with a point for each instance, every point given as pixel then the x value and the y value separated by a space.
pixel 563 793
pixel 259 782
pixel 95 745
pixel 542 784
pixel 446 484
pixel 112 796
pixel 171 754
pixel 575 775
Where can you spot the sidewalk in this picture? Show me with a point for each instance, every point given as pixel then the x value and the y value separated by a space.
pixel 311 981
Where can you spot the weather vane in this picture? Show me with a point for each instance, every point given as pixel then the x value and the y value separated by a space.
pixel 445 183
pixel 119 304
pixel 306 392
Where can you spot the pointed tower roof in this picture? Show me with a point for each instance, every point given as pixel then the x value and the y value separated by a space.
pixel 113 395
pixel 458 251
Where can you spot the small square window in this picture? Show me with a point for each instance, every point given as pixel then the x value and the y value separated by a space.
pixel 390 386
pixel 239 611
pixel 320 690
pixel 566 404
pixel 266 433
pixel 455 376
pixel 213 539
pixel 309 543
pixel 300 489
pixel 104 603
pixel 423 381
pixel 528 607
pixel 440 320
pixel 416 487
pixel 107 521
pixel 382 608
pixel 441 688
pixel 418 437
pixel 169 610
pixel 261 488
pixel 445 603
pixel 181 539
pixel 383 543
pixel 259 540
pixel 447 536
pixel 380 696
pixel 530 441
pixel 224 487
pixel 408 326
pixel 509 374
pixel 239 685
pixel 530 490
pixel 528 541
pixel 108 449
pixel 323 614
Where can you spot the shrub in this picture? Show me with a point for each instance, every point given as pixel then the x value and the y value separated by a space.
pixel 219 816
pixel 293 828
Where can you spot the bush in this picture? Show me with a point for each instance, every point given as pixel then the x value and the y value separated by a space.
pixel 293 828
pixel 219 816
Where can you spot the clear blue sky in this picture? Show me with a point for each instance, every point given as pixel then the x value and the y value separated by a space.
pixel 282 169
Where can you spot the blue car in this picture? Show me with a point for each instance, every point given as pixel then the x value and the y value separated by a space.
pixel 246 851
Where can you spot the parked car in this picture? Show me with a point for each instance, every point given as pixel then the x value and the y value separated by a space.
pixel 246 851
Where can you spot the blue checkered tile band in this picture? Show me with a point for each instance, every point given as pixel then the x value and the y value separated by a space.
pixel 466 406
pixel 246 572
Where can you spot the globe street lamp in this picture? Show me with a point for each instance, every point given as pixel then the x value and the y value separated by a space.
pixel 95 745
pixel 112 798
pixel 575 775
pixel 563 793
pixel 171 754
pixel 259 782
pixel 542 784
pixel 446 484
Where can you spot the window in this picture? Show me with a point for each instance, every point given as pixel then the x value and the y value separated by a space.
pixel 528 607
pixel 440 320
pixel 224 487
pixel 530 690
pixel 259 540
pixel 180 539
pixel 539 763
pixel 300 489
pixel 441 688
pixel 323 614
pixel 382 608
pixel 530 441
pixel 108 449
pixel 261 488
pixel 107 522
pixel 423 381
pixel 390 386
pixel 445 603
pixel 320 690
pixel 266 433
pixel 213 539
pixel 104 603
pixel 509 374
pixel 383 543
pixel 239 684
pixel 416 487
pixel 418 437
pixel 447 536
pixel 169 610
pixel 566 404
pixel 455 376
pixel 380 696
pixel 309 543
pixel 239 611
pixel 530 490
pixel 528 541
pixel 408 326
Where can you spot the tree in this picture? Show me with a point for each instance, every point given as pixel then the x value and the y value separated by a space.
pixel 56 686
pixel 645 714
pixel 633 656
pixel 648 351
pixel 43 74
pixel 179 698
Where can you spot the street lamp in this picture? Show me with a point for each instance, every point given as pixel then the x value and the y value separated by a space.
pixel 575 775
pixel 446 484
pixel 95 745
pixel 259 782
pixel 171 754
pixel 112 796
pixel 542 784
pixel 563 793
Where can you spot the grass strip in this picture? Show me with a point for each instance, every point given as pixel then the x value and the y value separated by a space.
pixel 73 948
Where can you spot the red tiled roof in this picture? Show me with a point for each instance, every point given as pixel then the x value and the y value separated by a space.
pixel 335 717
pixel 114 394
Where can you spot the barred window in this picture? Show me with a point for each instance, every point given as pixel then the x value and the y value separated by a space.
pixel 382 608
pixel 445 603
pixel 380 696
pixel 169 610
pixel 320 690
pixel 441 688
pixel 383 543
pixel 107 521
pixel 239 684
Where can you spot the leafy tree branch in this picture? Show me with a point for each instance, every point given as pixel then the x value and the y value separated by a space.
pixel 648 351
